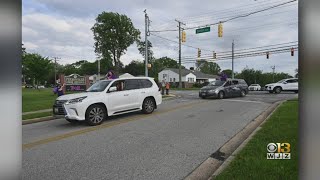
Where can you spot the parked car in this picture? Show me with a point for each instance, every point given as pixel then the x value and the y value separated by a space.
pixel 28 86
pixel 290 84
pixel 108 98
pixel 254 87
pixel 221 89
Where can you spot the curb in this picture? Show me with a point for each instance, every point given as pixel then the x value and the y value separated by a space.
pixel 207 169
pixel 36 120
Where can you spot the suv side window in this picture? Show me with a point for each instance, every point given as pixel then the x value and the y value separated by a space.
pixel 132 84
pixel 228 83
pixel 235 82
pixel 292 81
pixel 145 83
pixel 119 85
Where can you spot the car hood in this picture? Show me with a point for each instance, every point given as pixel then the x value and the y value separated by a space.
pixel 78 95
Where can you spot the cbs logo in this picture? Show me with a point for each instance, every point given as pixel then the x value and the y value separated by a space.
pixel 278 148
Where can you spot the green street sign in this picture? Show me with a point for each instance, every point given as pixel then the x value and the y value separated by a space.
pixel 202 30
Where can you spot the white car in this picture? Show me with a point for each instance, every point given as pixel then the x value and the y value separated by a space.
pixel 254 87
pixel 290 84
pixel 108 98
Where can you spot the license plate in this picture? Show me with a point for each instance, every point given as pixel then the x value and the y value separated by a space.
pixel 56 110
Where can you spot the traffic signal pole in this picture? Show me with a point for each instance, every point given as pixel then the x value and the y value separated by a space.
pixel 232 59
pixel 179 26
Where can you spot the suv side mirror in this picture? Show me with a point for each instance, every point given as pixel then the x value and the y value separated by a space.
pixel 112 89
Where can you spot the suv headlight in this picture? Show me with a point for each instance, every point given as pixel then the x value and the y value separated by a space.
pixel 76 100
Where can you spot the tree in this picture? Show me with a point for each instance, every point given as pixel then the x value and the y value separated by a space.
pixel 209 67
pixel 228 72
pixel 135 68
pixel 297 73
pixel 113 34
pixel 142 47
pixel 36 67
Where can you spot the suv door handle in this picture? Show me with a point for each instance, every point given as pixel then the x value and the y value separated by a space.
pixel 126 95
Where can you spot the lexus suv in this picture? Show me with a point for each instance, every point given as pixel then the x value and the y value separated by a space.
pixel 221 89
pixel 108 98
pixel 290 84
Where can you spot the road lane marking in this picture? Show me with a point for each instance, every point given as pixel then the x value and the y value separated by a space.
pixel 104 125
pixel 237 100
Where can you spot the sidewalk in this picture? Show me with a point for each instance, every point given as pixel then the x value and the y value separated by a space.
pixel 39 111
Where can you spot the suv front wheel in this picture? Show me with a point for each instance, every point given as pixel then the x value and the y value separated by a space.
pixel 95 115
pixel 148 106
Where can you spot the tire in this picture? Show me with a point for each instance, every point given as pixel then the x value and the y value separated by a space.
pixel 95 115
pixel 277 90
pixel 148 106
pixel 270 91
pixel 243 93
pixel 221 95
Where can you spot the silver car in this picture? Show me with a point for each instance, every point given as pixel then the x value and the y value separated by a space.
pixel 221 89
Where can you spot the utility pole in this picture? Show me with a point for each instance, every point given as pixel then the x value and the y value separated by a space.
pixel 179 26
pixel 147 33
pixel 232 59
pixel 99 69
pixel 273 69
pixel 55 69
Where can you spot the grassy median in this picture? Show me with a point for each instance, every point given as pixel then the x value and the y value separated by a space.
pixel 33 99
pixel 251 162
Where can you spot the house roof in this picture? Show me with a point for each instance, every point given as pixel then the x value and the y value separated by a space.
pixel 198 74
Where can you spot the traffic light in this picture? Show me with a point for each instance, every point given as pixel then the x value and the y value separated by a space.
pixel 183 36
pixel 292 51
pixel 267 55
pixel 220 30
pixel 214 55
pixel 199 52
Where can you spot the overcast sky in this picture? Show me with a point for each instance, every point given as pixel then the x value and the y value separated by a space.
pixel 61 28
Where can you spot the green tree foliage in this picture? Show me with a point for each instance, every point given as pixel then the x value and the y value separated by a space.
pixel 252 76
pixel 135 68
pixel 141 48
pixel 228 72
pixel 36 67
pixel 113 34
pixel 209 67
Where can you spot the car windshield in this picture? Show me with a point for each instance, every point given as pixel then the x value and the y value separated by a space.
pixel 217 83
pixel 281 81
pixel 99 86
pixel 254 84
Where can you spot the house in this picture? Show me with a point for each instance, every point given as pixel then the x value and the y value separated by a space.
pixel 187 76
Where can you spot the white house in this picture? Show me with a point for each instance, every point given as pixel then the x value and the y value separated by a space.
pixel 190 76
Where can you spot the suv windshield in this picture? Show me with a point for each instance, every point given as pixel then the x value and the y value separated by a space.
pixel 99 86
pixel 216 83
pixel 281 81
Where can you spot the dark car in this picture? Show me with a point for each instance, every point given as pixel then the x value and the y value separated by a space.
pixel 221 89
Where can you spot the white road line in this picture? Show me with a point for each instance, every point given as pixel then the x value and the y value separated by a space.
pixel 236 100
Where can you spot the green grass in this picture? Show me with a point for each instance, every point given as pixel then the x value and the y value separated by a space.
pixel 33 100
pixel 251 161
pixel 36 115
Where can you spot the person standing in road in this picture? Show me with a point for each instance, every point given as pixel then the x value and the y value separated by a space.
pixel 163 86
pixel 60 90
pixel 167 88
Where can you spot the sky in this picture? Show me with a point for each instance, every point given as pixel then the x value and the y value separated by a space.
pixel 62 28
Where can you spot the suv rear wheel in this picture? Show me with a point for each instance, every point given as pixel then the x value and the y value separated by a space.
pixel 95 115
pixel 243 93
pixel 148 105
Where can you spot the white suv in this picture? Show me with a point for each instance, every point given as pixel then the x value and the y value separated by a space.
pixel 290 84
pixel 108 98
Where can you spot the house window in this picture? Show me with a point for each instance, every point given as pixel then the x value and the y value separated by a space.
pixel 164 76
pixel 174 79
pixel 190 79
pixel 170 79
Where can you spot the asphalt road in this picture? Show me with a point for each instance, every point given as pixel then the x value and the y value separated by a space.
pixel 168 144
